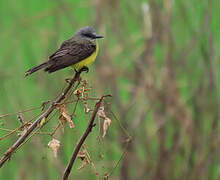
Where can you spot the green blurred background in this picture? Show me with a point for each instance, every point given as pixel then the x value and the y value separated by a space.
pixel 159 59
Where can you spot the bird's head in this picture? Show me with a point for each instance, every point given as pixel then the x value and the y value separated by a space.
pixel 88 32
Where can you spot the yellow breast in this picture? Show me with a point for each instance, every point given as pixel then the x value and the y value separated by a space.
pixel 86 61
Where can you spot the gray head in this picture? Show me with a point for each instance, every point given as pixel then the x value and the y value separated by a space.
pixel 88 32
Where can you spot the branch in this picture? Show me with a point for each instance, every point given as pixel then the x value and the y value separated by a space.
pixel 30 129
pixel 83 138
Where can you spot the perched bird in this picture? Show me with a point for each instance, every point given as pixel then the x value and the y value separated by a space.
pixel 77 52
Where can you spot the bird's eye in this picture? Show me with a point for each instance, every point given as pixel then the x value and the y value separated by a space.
pixel 88 35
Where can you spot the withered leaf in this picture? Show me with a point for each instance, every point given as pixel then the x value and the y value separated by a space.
pixel 86 109
pixel 107 121
pixel 65 116
pixel 106 124
pixel 54 145
pixel 83 157
pixel 78 92
pixel 101 113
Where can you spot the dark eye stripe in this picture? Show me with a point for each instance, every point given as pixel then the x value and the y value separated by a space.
pixel 89 35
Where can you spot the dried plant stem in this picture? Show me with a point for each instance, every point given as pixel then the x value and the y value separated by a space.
pixel 16 129
pixel 82 139
pixel 10 130
pixel 27 110
pixel 30 129
pixel 54 131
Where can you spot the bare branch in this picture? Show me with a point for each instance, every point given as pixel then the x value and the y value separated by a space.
pixel 30 129
pixel 83 138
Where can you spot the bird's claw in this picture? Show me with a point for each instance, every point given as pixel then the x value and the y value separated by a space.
pixel 85 68
pixel 68 80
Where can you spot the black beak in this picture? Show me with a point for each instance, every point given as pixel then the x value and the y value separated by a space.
pixel 98 36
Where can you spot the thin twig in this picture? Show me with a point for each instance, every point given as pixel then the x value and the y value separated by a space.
pixel 10 114
pixel 121 126
pixel 91 163
pixel 91 99
pixel 9 130
pixel 116 165
pixel 35 132
pixel 83 138
pixel 18 128
pixel 30 129
pixel 74 110
pixel 55 130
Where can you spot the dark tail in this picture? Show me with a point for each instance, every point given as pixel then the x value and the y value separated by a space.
pixel 34 69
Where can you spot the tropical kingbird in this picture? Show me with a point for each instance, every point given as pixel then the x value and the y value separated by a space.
pixel 77 52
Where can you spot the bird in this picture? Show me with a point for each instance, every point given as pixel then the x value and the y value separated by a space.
pixel 77 52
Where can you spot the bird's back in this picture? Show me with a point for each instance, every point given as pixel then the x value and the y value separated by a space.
pixel 75 52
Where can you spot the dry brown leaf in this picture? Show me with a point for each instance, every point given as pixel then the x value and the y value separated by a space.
pixel 20 118
pixel 84 83
pixel 65 116
pixel 86 109
pixel 107 121
pixel 54 145
pixel 101 113
pixel 84 163
pixel 106 124
pixel 85 95
pixel 78 92
pixel 82 154
pixel 83 157
pixel 82 91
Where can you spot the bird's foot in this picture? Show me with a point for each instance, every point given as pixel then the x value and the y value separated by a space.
pixel 75 70
pixel 68 80
pixel 84 68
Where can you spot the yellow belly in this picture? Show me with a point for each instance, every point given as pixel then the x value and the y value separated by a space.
pixel 86 61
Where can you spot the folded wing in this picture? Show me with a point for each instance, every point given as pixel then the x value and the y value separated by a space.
pixel 70 53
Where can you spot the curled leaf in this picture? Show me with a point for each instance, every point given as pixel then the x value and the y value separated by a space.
pixel 101 113
pixel 65 116
pixel 86 109
pixel 82 92
pixel 107 121
pixel 82 155
pixel 78 92
pixel 54 145
pixel 106 124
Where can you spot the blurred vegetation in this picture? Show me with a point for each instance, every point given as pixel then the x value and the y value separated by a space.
pixel 159 60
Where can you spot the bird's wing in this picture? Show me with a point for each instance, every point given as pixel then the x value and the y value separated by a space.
pixel 70 53
pixel 63 50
